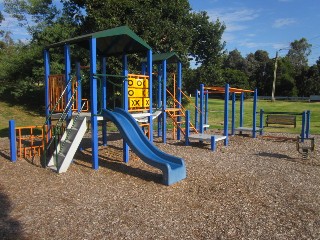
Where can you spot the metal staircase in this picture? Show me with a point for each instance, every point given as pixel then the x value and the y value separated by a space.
pixel 68 144
pixel 63 141
pixel 177 115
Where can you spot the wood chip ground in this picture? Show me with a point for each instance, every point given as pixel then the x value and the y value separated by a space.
pixel 252 189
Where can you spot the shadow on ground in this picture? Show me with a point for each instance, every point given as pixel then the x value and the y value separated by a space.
pixel 112 162
pixel 9 227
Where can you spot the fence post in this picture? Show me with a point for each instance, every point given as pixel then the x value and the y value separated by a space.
pixel 12 136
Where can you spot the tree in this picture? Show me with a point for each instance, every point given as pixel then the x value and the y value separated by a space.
pixel 36 15
pixel 234 60
pixel 298 54
pixel 259 70
pixel 1 19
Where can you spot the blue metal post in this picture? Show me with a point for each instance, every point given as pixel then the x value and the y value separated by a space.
pixel 226 114
pixel 12 136
pixel 254 113
pixel 149 69
pixel 125 104
pixel 201 108
pixel 67 62
pixel 164 101
pixel 104 98
pixel 187 128
pixel 241 109
pixel 303 127
pixel 159 98
pixel 261 121
pixel 46 81
pixel 233 113
pixel 179 86
pixel 213 143
pixel 196 109
pixel 206 108
pixel 94 102
pixel 79 89
pixel 308 124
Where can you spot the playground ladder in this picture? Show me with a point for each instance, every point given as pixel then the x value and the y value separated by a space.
pixel 174 113
pixel 68 145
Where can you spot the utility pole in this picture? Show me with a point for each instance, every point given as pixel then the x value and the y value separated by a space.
pixel 274 77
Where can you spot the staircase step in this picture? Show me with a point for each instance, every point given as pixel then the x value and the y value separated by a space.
pixel 65 146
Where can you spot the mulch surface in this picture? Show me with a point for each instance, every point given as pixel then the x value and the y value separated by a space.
pixel 252 189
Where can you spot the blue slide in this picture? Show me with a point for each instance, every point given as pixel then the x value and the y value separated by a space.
pixel 173 168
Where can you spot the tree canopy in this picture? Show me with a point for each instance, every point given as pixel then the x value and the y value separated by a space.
pixel 165 27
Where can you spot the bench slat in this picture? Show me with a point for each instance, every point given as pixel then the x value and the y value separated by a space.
pixel 281 119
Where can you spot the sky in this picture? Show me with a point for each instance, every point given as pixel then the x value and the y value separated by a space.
pixel 251 25
pixel 269 25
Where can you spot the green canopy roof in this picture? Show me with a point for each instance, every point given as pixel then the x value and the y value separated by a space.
pixel 113 41
pixel 171 57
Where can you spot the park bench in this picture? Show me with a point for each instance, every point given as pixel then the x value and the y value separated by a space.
pixel 281 119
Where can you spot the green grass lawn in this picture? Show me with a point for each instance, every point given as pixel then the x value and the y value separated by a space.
pixel 216 114
pixel 25 117
pixel 21 116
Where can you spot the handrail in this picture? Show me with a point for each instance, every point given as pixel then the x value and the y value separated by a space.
pixel 184 110
pixel 50 129
pixel 55 106
pixel 190 101
pixel 175 100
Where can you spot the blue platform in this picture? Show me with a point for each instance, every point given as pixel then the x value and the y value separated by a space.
pixel 173 168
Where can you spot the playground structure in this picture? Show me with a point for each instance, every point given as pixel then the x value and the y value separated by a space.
pixel 60 146
pixel 201 113
pixel 169 100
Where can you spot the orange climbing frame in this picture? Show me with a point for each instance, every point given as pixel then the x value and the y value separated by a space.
pixel 30 141
pixel 57 84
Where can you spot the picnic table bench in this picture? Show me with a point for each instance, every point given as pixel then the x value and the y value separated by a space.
pixel 281 119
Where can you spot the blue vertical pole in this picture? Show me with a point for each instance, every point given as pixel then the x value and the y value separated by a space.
pixel 94 103
pixel 46 86
pixel 149 69
pixel 308 124
pixel 196 109
pixel 254 113
pixel 67 63
pixel 125 102
pixel 241 110
pixel 213 143
pixel 206 107
pixel 303 128
pixel 46 81
pixel 187 128
pixel 104 98
pixel 12 136
pixel 201 108
pixel 164 101
pixel 79 89
pixel 226 114
pixel 233 113
pixel 179 83
pixel 261 121
pixel 159 98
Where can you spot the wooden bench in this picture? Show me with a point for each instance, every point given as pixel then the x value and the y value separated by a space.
pixel 281 119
